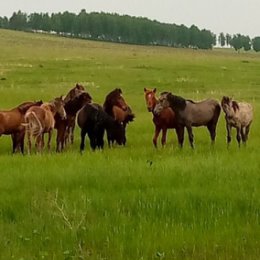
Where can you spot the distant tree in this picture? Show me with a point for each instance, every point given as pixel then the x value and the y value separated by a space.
pixel 246 42
pixel 256 44
pixel 236 42
pixel 222 39
pixel 228 39
pixel 4 23
pixel 18 21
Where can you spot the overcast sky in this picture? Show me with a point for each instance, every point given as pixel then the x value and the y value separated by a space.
pixel 228 16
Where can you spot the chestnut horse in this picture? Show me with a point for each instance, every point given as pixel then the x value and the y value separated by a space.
pixel 65 127
pixel 11 124
pixel 40 120
pixel 116 106
pixel 165 120
pixel 238 115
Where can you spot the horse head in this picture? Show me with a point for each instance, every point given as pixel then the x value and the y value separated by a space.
pixel 161 103
pixel 74 92
pixel 58 104
pixel 150 98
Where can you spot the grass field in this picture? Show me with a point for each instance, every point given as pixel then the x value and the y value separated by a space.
pixel 132 202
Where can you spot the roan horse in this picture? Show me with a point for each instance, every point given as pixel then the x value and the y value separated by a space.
pixel 238 115
pixel 40 120
pixel 65 127
pixel 116 107
pixel 189 114
pixel 11 124
pixel 165 120
pixel 93 120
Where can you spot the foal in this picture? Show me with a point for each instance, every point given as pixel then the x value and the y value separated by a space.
pixel 238 115
pixel 40 120
pixel 165 120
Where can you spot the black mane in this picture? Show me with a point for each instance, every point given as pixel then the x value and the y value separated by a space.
pixel 176 102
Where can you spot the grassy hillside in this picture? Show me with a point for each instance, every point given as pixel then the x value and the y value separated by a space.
pixel 132 202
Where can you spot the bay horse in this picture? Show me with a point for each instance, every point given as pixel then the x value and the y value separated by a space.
pixel 165 120
pixel 40 120
pixel 65 127
pixel 238 115
pixel 190 113
pixel 116 106
pixel 11 124
pixel 93 120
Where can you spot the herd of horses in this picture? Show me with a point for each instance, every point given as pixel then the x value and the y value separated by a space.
pixel 32 120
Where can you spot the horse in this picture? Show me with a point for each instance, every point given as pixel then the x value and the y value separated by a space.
pixel 190 113
pixel 65 127
pixel 116 107
pixel 11 124
pixel 74 92
pixel 238 115
pixel 165 120
pixel 93 120
pixel 40 120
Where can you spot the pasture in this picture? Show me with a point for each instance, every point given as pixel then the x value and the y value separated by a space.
pixel 132 202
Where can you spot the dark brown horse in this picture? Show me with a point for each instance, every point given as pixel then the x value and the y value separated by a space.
pixel 116 106
pixel 65 127
pixel 190 113
pixel 165 120
pixel 11 124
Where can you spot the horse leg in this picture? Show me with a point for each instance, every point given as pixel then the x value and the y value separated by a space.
pixel 247 132
pixel 189 129
pixel 238 135
pixel 156 134
pixel 228 126
pixel 180 135
pixel 49 140
pixel 14 140
pixel 243 134
pixel 29 136
pixel 82 144
pixel 212 130
pixel 72 132
pixel 164 133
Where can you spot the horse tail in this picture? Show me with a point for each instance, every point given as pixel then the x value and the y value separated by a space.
pixel 33 124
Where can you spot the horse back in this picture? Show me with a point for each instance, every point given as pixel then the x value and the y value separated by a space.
pixel 245 113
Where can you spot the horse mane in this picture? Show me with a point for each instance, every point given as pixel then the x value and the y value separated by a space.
pixel 108 104
pixel 177 102
pixel 235 106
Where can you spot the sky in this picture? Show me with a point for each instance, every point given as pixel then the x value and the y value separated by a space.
pixel 228 16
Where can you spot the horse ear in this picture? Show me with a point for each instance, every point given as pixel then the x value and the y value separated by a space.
pixel 145 89
pixel 154 90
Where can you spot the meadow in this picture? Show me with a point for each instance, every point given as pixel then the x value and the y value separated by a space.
pixel 132 202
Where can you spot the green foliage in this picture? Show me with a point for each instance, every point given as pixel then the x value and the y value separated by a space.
pixel 256 43
pixel 222 39
pixel 133 202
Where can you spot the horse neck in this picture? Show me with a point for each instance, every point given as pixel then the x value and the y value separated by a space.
pixel 49 107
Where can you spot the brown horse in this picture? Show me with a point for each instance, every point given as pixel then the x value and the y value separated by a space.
pixel 11 124
pixel 116 106
pixel 238 115
pixel 40 120
pixel 65 127
pixel 165 120
pixel 190 113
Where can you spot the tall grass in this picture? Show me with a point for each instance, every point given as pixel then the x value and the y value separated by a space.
pixel 132 202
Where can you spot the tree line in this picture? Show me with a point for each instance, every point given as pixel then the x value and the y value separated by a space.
pixel 123 29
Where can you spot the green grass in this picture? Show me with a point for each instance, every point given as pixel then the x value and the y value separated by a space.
pixel 132 202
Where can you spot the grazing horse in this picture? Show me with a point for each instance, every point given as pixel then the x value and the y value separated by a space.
pixel 116 107
pixel 65 127
pixel 165 120
pixel 11 124
pixel 238 115
pixel 190 113
pixel 93 120
pixel 40 120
